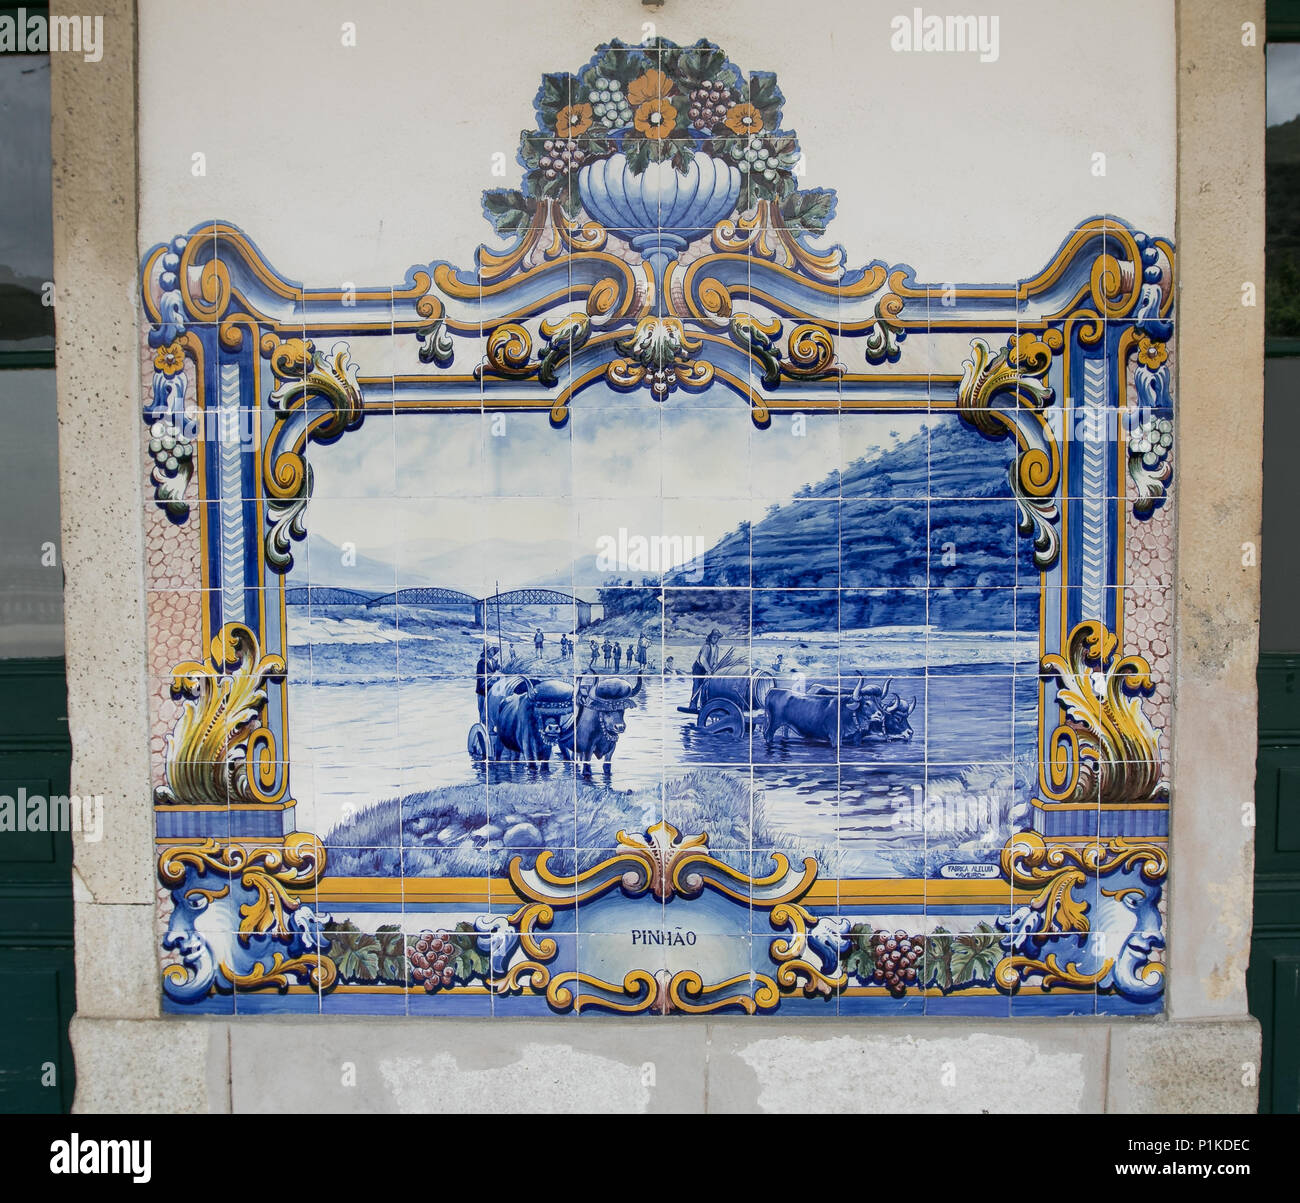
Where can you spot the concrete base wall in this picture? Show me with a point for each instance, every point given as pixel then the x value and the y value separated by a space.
pixel 325 1065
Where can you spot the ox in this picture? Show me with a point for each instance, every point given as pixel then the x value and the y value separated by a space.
pixel 529 719
pixel 601 704
pixel 883 713
pixel 895 723
pixel 816 715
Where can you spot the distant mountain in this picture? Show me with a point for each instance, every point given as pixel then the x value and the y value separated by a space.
pixel 323 563
pixel 950 562
pixel 468 567
pixel 870 527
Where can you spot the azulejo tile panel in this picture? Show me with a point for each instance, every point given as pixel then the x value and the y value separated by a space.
pixel 634 624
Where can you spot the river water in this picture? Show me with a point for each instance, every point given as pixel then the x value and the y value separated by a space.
pixel 354 741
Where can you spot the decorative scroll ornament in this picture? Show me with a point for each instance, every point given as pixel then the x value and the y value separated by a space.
pixel 667 867
pixel 886 332
pixel 1015 376
pixel 172 429
pixel 171 432
pixel 238 919
pixel 1094 919
pixel 220 750
pixel 658 355
pixel 319 399
pixel 1107 751
pixel 1151 441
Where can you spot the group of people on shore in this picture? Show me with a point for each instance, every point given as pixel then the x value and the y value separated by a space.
pixel 615 655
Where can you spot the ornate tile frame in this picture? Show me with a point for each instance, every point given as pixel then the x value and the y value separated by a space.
pixel 746 303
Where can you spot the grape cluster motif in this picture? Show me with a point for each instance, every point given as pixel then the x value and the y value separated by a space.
pixel 1153 441
pixel 756 157
pixel 431 960
pixel 609 104
pixel 560 155
pixel 710 103
pixel 168 447
pixel 897 960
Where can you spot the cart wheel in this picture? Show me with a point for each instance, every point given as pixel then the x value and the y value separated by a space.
pixel 478 742
pixel 722 717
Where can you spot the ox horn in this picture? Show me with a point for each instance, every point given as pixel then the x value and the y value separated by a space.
pixel 884 690
pixel 911 707
pixel 888 706
pixel 857 689
pixel 639 682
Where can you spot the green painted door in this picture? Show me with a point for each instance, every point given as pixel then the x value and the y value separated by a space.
pixel 36 979
pixel 1274 978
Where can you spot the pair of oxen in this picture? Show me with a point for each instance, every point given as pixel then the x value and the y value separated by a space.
pixel 838 716
pixel 528 719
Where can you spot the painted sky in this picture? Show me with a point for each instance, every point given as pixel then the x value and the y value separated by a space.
pixel 429 488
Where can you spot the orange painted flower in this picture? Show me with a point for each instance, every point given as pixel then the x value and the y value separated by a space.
pixel 743 119
pixel 653 85
pixel 1151 354
pixel 655 119
pixel 169 360
pixel 573 120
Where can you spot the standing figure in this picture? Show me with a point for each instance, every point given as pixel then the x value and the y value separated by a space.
pixel 706 660
pixel 628 654
pixel 642 646
pixel 618 655
pixel 488 666
pixel 539 641
pixel 608 649
pixel 595 651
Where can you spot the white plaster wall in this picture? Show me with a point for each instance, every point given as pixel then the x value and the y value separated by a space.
pixel 355 163
pixel 339 167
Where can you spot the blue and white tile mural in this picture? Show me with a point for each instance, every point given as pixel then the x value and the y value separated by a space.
pixel 662 615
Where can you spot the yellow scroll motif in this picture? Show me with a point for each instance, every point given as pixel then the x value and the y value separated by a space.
pixel 308 376
pixel 220 733
pixel 275 875
pixel 765 236
pixel 1055 872
pixel 1108 747
pixel 666 865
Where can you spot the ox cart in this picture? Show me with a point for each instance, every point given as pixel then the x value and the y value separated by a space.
pixel 527 719
pixel 731 700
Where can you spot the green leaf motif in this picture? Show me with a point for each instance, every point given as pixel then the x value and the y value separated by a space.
pixel 552 97
pixel 938 959
pixel 469 962
pixel 766 97
pixel 975 956
pixel 809 211
pixel 637 151
pixel 392 953
pixel 507 210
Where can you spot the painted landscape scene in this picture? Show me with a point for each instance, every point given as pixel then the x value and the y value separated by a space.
pixel 818 638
